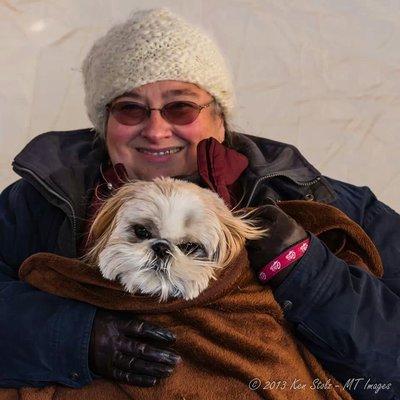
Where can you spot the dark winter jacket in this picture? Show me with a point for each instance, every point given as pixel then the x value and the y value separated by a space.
pixel 349 319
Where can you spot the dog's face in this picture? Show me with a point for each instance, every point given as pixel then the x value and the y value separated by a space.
pixel 166 238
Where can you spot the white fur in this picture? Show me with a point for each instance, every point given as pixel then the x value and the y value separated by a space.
pixel 175 211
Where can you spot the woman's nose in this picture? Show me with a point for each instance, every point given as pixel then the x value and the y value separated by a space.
pixel 156 127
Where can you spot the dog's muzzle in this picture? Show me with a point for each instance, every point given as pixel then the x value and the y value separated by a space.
pixel 161 249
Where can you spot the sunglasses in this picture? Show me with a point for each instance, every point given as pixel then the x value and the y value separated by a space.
pixel 176 112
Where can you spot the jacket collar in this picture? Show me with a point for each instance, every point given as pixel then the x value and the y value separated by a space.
pixel 63 167
pixel 280 171
pixel 267 157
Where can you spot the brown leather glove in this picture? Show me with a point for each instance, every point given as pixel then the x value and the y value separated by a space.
pixel 284 232
pixel 120 349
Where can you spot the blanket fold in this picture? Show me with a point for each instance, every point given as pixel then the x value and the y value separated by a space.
pixel 233 338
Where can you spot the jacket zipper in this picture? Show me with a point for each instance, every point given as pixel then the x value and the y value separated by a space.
pixel 52 192
pixel 265 177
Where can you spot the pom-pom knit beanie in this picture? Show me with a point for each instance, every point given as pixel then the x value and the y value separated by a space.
pixel 152 45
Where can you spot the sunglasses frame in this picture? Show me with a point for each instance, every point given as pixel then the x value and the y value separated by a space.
pixel 111 107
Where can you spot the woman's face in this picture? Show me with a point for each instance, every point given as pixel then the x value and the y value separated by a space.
pixel 138 146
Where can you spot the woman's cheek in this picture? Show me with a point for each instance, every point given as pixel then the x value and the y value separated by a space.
pixel 119 139
pixel 192 137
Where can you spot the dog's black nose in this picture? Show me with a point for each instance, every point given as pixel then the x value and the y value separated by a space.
pixel 161 248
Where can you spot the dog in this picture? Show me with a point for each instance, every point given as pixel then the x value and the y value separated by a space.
pixel 167 238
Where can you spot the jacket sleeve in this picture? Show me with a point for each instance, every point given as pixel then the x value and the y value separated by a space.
pixel 44 338
pixel 349 319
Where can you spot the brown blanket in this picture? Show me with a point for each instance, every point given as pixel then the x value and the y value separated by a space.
pixel 231 334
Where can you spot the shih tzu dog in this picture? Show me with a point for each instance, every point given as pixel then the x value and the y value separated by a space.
pixel 167 238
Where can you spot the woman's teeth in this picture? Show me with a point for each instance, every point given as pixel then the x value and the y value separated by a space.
pixel 160 153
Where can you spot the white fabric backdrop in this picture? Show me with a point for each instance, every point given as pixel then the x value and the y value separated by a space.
pixel 323 75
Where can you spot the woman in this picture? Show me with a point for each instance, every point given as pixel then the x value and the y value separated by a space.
pixel 155 88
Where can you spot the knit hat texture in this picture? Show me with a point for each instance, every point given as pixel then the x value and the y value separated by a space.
pixel 152 45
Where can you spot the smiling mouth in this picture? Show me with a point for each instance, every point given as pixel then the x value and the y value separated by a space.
pixel 161 152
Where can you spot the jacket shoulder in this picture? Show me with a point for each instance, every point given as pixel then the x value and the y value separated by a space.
pixel 265 143
pixel 51 144
pixel 280 167
pixel 28 223
pixel 272 149
pixel 18 193
pixel 83 134
pixel 353 200
pixel 22 202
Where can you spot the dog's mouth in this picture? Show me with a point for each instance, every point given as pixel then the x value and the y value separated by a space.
pixel 160 265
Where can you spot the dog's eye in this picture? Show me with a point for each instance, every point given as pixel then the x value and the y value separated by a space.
pixel 141 232
pixel 189 247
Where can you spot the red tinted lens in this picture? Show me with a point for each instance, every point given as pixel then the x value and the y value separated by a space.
pixel 180 112
pixel 128 113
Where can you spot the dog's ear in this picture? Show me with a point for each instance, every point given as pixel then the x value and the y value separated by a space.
pixel 104 223
pixel 237 227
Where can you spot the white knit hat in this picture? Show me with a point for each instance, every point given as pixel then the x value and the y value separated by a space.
pixel 152 45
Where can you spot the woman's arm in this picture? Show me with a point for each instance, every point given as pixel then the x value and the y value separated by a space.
pixel 348 318
pixel 44 338
pixel 47 339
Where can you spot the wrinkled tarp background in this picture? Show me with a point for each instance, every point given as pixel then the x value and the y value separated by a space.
pixel 323 75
